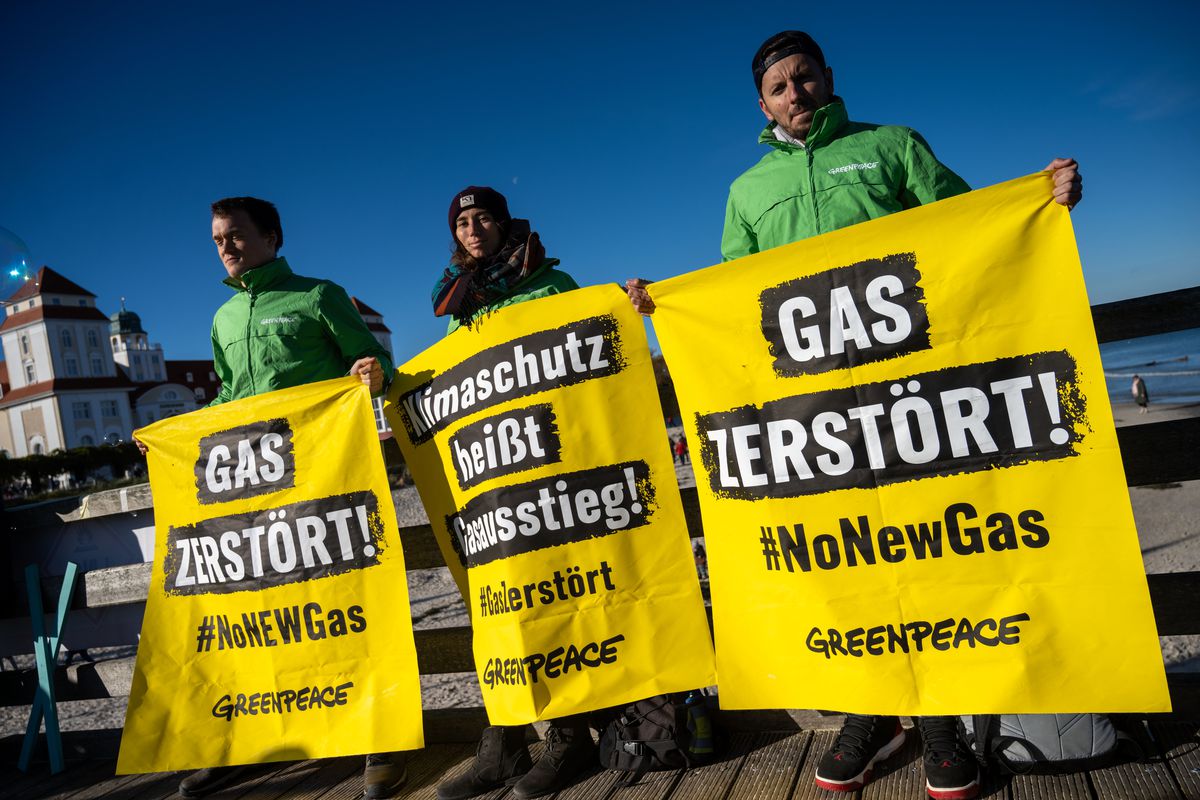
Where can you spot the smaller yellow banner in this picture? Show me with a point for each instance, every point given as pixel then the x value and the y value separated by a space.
pixel 538 446
pixel 277 625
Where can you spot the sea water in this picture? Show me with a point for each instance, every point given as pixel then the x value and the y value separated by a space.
pixel 1169 364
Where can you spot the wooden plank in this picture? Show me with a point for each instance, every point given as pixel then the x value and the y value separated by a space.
pixel 460 763
pixel 422 784
pixel 442 650
pixel 901 776
pixel 1185 695
pixel 76 777
pixel 1145 781
pixel 1146 316
pixel 1173 595
pixel 652 786
pixel 596 786
pixel 712 782
pixel 301 776
pixel 1050 787
pixel 1180 743
pixel 100 788
pixel 1160 452
pixel 146 785
pixel 424 769
pixel 772 767
pixel 115 586
pixel 83 629
pixel 804 788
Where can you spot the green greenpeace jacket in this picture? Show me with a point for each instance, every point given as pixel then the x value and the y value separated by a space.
pixel 847 172
pixel 543 283
pixel 282 330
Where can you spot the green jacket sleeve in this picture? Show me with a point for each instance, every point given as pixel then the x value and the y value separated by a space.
pixel 739 238
pixel 221 368
pixel 927 180
pixel 347 330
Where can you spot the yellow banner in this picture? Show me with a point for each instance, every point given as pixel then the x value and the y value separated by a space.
pixel 911 488
pixel 277 625
pixel 540 453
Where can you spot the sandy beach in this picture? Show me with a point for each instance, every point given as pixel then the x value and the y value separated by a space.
pixel 1167 518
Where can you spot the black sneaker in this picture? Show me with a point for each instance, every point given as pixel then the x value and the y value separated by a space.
pixel 569 753
pixel 863 743
pixel 384 774
pixel 951 772
pixel 204 782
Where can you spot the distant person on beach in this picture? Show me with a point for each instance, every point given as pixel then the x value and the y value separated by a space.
pixel 824 172
pixel 681 449
pixel 305 330
pixel 499 261
pixel 1140 394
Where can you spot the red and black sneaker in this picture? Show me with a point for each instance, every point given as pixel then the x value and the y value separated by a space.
pixel 951 772
pixel 863 743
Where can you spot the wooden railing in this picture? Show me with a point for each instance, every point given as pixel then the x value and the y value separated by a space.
pixel 1153 453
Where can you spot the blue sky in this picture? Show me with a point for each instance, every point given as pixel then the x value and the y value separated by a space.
pixel 616 128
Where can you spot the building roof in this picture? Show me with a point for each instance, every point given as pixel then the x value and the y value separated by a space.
pixel 47 281
pixel 363 308
pixel 60 385
pixel 125 322
pixel 177 373
pixel 38 313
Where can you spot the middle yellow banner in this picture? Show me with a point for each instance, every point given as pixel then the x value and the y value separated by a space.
pixel 538 447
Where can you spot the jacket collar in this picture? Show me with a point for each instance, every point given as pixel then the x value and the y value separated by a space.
pixel 828 120
pixel 260 278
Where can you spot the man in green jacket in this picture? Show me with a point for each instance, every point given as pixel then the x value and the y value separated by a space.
pixel 824 172
pixel 281 330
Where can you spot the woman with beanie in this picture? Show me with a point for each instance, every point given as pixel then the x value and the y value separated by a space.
pixel 498 261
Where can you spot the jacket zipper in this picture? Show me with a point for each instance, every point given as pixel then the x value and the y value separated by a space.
pixel 812 191
pixel 250 343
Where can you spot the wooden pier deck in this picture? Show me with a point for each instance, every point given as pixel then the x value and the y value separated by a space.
pixel 756 766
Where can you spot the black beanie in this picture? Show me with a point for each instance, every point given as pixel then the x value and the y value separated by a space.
pixel 779 47
pixel 483 197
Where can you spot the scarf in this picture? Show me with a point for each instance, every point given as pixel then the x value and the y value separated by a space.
pixel 462 292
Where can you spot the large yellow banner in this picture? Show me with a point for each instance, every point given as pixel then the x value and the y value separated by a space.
pixel 277 625
pixel 912 494
pixel 540 453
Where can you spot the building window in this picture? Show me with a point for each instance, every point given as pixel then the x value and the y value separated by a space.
pixel 24 345
pixel 31 304
pixel 67 340
pixel 200 393
pixel 108 408
pixel 56 301
pixel 30 375
pixel 81 410
pixel 83 303
pixel 86 441
pixel 72 367
pixel 170 394
pixel 189 378
pixel 93 339
pixel 97 365
pixel 37 448
pixel 212 376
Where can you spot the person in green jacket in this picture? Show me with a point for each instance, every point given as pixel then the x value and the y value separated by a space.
pixel 824 172
pixel 281 330
pixel 498 261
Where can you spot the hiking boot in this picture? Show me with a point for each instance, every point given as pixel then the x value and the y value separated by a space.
pixel 569 753
pixel 951 772
pixel 500 758
pixel 862 743
pixel 206 781
pixel 384 774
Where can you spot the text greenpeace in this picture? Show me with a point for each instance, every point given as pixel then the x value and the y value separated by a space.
pixel 297 542
pixel 955 420
pixel 548 512
pixel 539 362
pixel 846 316
pixel 245 461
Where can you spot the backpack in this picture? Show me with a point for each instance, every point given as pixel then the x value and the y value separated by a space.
pixel 667 731
pixel 1045 743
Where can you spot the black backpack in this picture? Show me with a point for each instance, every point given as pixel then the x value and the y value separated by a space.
pixel 1050 743
pixel 667 731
